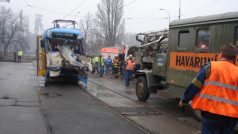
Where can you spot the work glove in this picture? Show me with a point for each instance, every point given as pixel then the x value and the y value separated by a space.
pixel 181 104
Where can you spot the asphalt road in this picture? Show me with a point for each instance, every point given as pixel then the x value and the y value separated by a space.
pixel 60 108
pixel 70 110
pixel 105 107
pixel 19 103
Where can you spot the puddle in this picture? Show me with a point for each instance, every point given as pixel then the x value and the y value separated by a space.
pixel 6 97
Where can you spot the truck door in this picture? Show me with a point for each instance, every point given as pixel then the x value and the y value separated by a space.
pixel 40 57
pixel 160 62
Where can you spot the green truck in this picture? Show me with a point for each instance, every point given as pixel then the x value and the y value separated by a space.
pixel 190 44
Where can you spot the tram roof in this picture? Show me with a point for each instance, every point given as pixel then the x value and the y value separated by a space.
pixel 60 20
pixel 225 17
pixel 65 30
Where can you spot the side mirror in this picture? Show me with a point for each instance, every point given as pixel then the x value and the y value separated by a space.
pixel 42 44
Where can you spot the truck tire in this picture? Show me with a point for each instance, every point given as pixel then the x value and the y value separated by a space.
pixel 142 90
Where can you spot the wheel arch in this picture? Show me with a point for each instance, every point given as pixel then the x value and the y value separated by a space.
pixel 151 80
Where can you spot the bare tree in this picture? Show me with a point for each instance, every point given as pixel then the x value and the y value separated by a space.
pixel 130 39
pixel 86 24
pixel 110 21
pixel 21 39
pixel 94 42
pixel 9 26
pixel 5 1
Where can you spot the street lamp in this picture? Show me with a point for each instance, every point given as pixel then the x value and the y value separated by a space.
pixel 166 12
pixel 75 16
pixel 125 24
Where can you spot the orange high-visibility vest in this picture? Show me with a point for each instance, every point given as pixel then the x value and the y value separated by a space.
pixel 219 94
pixel 130 65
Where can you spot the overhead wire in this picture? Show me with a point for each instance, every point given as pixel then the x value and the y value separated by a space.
pixel 152 18
pixel 129 3
pixel 49 10
pixel 188 12
pixel 69 13
pixel 200 7
pixel 146 20
pixel 76 7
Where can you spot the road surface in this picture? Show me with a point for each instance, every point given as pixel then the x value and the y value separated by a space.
pixel 105 107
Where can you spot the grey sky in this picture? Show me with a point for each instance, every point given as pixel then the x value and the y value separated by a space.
pixel 140 15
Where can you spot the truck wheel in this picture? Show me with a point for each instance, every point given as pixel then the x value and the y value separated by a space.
pixel 142 90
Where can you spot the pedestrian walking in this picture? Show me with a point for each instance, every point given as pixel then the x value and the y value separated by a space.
pixel 15 56
pixel 19 55
pixel 108 64
pixel 130 65
pixel 135 68
pixel 95 64
pixel 214 91
pixel 101 61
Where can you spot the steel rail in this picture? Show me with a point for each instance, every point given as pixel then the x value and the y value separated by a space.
pixel 187 122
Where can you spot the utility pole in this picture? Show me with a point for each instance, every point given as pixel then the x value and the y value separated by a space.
pixel 38 24
pixel 167 13
pixel 179 9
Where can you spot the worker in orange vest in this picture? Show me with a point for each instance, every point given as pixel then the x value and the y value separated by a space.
pixel 214 91
pixel 130 65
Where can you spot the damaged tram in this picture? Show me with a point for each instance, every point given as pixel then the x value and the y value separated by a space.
pixel 60 53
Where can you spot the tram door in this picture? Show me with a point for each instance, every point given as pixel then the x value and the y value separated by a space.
pixel 40 57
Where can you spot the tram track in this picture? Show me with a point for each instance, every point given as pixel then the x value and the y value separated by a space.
pixel 117 112
pixel 152 109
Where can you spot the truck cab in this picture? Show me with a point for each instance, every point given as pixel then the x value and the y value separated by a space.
pixel 152 78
